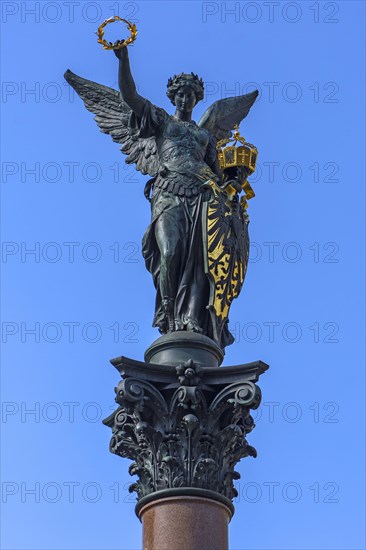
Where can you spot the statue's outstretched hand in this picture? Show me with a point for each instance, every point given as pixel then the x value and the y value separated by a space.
pixel 121 53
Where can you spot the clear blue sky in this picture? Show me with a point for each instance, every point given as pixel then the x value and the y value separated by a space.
pixel 86 295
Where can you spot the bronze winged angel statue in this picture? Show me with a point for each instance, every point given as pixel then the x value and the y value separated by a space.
pixel 196 246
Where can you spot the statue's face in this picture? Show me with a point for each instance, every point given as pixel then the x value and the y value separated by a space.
pixel 185 99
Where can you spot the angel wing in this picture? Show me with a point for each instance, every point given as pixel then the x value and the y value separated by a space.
pixel 112 115
pixel 221 117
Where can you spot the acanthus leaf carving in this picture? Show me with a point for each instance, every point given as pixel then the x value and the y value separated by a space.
pixel 183 434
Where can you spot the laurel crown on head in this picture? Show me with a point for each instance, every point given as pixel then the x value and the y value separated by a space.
pixel 185 79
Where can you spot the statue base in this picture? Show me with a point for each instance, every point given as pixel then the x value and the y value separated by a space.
pixel 181 346
pixel 183 420
pixel 184 425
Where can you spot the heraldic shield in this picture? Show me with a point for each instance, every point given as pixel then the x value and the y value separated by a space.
pixel 226 253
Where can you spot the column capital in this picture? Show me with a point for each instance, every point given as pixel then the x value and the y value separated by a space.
pixel 184 426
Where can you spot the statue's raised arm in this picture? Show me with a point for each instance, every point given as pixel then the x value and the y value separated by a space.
pixel 127 117
pixel 127 85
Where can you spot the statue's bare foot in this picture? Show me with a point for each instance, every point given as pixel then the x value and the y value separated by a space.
pixel 179 325
pixel 194 326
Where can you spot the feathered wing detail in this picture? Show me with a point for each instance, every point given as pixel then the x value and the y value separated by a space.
pixel 112 115
pixel 221 117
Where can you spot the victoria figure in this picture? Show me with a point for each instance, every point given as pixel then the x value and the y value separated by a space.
pixel 196 246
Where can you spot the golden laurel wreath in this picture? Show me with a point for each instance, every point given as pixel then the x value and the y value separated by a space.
pixel 118 44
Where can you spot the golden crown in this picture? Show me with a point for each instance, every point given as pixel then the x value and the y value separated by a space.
pixel 244 155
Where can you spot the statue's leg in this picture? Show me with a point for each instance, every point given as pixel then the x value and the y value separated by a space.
pixel 169 231
pixel 193 292
pixel 199 291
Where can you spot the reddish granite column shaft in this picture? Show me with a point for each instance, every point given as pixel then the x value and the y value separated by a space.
pixel 185 523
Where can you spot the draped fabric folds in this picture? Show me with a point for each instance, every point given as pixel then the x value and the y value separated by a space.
pixel 177 203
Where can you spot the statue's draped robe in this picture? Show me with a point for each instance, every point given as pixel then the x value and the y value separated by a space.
pixel 186 153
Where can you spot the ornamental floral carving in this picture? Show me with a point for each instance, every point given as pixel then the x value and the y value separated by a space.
pixel 184 433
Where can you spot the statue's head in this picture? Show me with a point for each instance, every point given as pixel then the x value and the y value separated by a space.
pixel 186 89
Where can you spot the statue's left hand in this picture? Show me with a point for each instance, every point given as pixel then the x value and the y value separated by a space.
pixel 205 189
pixel 243 173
